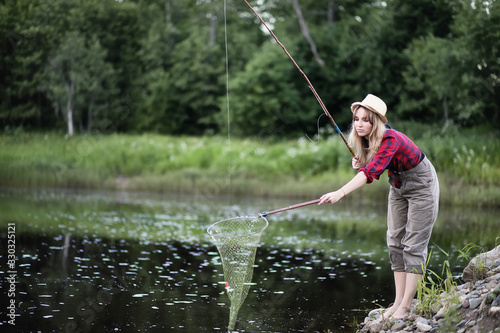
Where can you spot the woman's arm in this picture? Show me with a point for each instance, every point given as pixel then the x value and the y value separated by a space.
pixel 335 196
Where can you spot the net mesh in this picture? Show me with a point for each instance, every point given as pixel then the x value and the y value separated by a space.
pixel 237 240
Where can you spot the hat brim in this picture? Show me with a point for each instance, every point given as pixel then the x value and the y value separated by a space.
pixel 356 105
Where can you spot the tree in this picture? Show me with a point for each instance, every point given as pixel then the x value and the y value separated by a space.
pixel 34 30
pixel 434 73
pixel 456 78
pixel 184 75
pixel 305 32
pixel 99 91
pixel 476 27
pixel 265 99
pixel 75 79
pixel 160 65
pixel 119 26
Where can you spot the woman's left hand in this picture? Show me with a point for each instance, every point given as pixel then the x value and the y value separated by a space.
pixel 331 197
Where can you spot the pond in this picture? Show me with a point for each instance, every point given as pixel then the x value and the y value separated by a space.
pixel 95 261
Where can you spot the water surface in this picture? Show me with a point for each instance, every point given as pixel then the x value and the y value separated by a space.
pixel 93 261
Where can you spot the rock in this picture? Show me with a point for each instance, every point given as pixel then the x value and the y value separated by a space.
pixel 481 264
pixel 475 302
pixel 376 313
pixel 497 290
pixel 375 326
pixel 423 327
pixel 422 320
pixel 440 314
pixel 398 326
pixel 466 286
pixel 491 285
pixel 471 323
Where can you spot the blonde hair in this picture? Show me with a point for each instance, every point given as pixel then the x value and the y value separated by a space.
pixel 366 147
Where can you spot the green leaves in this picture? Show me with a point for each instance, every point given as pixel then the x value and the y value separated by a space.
pixel 161 65
pixel 77 80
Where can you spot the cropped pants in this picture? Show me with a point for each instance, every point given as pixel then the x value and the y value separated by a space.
pixel 412 211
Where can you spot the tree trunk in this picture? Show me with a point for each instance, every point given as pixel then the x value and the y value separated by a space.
pixel 331 12
pixel 305 32
pixel 213 29
pixel 89 112
pixel 69 106
pixel 168 14
pixel 445 108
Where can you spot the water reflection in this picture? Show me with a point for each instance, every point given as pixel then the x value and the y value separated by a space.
pixel 175 287
pixel 97 261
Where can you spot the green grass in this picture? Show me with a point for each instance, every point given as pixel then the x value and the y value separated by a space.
pixel 468 164
pixel 433 286
pixel 438 291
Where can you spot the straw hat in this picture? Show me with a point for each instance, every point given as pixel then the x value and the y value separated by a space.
pixel 372 103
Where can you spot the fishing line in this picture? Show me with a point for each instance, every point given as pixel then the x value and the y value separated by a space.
pixel 227 98
pixel 227 74
pixel 319 134
pixel 305 77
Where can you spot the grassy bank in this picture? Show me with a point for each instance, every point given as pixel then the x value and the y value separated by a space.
pixel 468 164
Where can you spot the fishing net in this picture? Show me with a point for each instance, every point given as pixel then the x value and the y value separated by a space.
pixel 237 240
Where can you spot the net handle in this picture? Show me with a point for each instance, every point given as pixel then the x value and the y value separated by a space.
pixel 302 204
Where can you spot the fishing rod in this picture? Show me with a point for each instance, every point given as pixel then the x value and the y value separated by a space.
pixel 305 77
pixel 302 204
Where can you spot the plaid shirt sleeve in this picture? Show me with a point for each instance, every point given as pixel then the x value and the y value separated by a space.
pixel 396 153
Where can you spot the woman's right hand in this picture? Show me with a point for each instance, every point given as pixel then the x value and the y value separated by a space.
pixel 355 163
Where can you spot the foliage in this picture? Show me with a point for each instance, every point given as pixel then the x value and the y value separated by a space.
pixel 292 167
pixel 436 290
pixel 478 268
pixel 469 63
pixel 77 79
pixel 160 66
pixel 260 92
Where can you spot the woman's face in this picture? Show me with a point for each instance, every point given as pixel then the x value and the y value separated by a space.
pixel 362 123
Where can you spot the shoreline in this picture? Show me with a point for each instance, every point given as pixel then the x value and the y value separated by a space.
pixel 471 307
pixel 200 182
pixel 468 170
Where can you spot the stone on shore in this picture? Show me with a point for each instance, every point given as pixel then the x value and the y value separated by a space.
pixel 477 310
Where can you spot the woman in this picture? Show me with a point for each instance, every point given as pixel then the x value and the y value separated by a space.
pixel 413 195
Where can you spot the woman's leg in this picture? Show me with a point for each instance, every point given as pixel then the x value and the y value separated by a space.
pixel 411 285
pixel 421 190
pixel 400 285
pixel 396 222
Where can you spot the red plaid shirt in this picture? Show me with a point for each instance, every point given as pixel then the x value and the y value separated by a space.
pixel 397 153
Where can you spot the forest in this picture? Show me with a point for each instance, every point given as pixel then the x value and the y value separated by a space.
pixel 207 67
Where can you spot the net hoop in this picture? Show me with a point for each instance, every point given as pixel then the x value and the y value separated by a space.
pixel 212 229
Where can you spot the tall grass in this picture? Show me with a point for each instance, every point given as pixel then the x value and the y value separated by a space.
pixel 438 291
pixel 468 165
pixel 433 286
